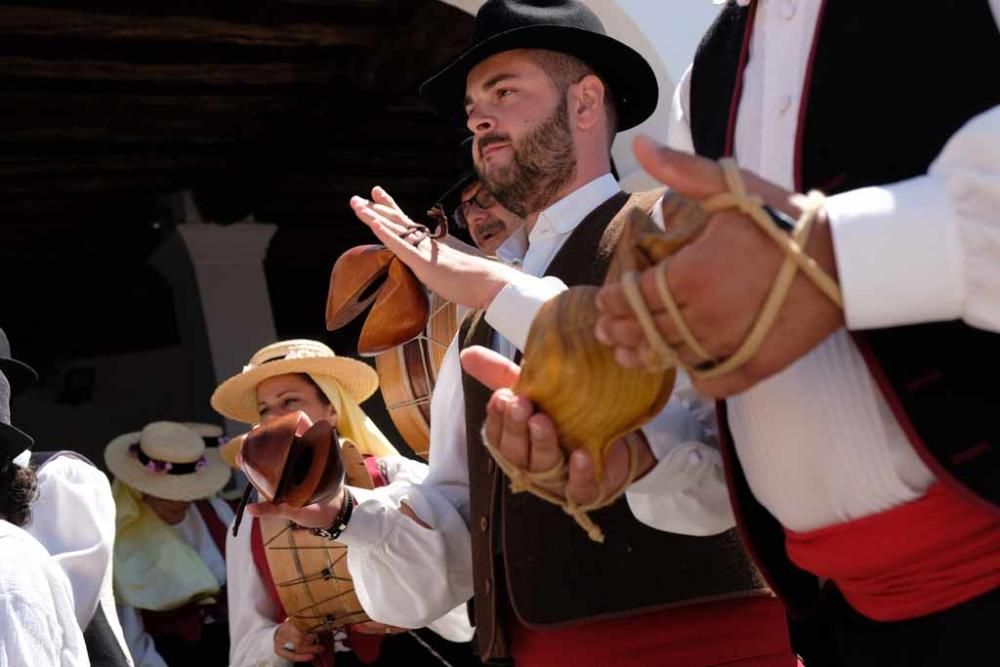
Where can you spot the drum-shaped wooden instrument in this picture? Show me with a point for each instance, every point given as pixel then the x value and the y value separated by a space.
pixel 407 374
pixel 310 572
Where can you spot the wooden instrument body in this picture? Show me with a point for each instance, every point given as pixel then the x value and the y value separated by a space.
pixel 572 377
pixel 310 572
pixel 408 373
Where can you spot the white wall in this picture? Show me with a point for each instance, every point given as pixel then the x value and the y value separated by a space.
pixel 666 33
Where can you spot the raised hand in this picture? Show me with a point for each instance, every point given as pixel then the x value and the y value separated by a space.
pixel 444 266
pixel 721 280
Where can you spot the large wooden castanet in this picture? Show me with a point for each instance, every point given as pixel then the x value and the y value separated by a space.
pixel 293 461
pixel 572 377
pixel 407 374
pixel 310 572
pixel 372 275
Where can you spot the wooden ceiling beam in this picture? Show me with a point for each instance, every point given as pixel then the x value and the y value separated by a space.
pixel 62 24
pixel 206 74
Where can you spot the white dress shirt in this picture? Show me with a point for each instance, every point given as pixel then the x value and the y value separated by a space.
pixel 38 626
pixel 251 609
pixel 193 530
pixel 817 441
pixel 408 575
pixel 74 519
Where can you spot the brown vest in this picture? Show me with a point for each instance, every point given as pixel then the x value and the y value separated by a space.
pixel 552 572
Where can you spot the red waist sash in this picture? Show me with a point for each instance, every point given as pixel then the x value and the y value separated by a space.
pixel 744 632
pixel 916 559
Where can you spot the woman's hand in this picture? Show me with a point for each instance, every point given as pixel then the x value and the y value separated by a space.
pixel 317 515
pixel 306 645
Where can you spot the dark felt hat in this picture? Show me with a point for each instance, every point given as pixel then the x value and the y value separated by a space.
pixel 566 26
pixel 18 373
pixel 13 440
pixel 451 198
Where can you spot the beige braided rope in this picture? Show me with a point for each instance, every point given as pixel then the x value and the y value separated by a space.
pixel 660 355
pixel 550 485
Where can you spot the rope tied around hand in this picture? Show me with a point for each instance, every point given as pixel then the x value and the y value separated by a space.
pixel 658 354
pixel 551 486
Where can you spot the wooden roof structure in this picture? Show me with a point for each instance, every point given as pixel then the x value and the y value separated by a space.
pixel 279 109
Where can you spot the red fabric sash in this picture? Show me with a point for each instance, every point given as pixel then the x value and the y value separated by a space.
pixel 214 524
pixel 744 632
pixel 260 562
pixel 916 559
pixel 378 479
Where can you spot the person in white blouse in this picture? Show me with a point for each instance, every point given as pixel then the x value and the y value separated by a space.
pixel 555 172
pixel 74 519
pixel 169 556
pixel 864 435
pixel 307 376
pixel 38 625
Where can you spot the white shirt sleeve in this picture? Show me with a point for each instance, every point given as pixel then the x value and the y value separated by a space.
pixel 686 491
pixel 37 623
pixel 74 518
pixel 251 610
pixel 30 636
pixel 140 643
pixel 928 248
pixel 679 124
pixel 404 574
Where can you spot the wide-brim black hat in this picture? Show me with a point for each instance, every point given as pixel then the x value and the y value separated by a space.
pixel 566 26
pixel 18 373
pixel 451 197
pixel 13 441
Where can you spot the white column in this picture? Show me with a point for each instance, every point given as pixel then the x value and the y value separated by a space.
pixel 222 269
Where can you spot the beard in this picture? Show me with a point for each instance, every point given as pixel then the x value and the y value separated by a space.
pixel 543 161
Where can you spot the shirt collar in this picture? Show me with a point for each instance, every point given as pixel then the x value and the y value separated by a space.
pixel 564 216
pixel 514 248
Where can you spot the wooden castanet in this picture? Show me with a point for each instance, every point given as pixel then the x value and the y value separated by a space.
pixel 372 275
pixel 571 376
pixel 408 373
pixel 310 572
pixel 293 461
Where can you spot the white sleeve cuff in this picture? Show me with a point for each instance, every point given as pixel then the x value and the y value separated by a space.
pixel 514 308
pixel 898 254
pixel 684 493
pixel 373 519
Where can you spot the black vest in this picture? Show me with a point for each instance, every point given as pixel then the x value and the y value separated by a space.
pixel 887 85
pixel 555 575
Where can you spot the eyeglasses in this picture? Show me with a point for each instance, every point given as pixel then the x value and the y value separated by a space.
pixel 481 200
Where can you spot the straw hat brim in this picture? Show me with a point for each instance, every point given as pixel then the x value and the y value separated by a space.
pixel 236 398
pixel 193 486
pixel 228 450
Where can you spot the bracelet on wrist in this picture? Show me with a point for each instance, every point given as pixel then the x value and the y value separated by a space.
pixel 333 531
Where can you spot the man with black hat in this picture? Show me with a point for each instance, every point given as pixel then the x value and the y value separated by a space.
pixel 545 90
pixel 37 624
pixel 73 517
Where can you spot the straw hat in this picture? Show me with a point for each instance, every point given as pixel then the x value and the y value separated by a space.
pixel 167 460
pixel 236 398
pixel 228 450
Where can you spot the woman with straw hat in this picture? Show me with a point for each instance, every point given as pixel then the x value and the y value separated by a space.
pixel 307 376
pixel 169 558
